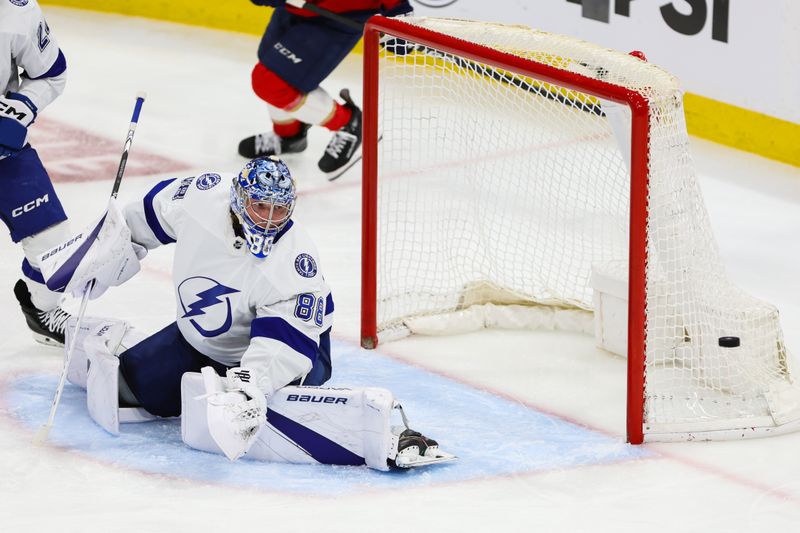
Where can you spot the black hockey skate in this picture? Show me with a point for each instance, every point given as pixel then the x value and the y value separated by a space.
pixel 344 148
pixel 269 143
pixel 48 327
pixel 413 449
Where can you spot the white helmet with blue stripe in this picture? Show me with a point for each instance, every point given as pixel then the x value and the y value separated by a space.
pixel 262 198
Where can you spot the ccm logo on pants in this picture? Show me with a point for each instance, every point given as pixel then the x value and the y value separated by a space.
pixel 30 206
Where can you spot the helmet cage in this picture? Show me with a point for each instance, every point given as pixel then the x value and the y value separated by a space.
pixel 263 196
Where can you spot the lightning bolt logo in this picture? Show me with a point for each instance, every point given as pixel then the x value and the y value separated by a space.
pixel 208 298
pixel 205 299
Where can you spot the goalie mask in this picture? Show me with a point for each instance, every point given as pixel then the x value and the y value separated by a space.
pixel 262 198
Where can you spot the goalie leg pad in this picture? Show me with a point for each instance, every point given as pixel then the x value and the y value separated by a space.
pixel 304 425
pixel 102 397
pixel 103 379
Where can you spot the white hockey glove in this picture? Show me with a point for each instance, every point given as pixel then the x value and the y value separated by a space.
pixel 102 252
pixel 237 410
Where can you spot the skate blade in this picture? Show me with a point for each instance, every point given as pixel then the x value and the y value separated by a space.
pixel 422 460
pixel 46 341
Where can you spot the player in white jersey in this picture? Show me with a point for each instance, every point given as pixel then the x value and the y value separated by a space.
pixel 29 205
pixel 248 285
pixel 252 305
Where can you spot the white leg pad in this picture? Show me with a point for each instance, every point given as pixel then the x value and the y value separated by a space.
pixel 102 390
pixel 97 370
pixel 304 424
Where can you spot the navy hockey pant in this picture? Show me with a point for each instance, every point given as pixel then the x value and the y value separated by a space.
pixel 28 202
pixel 304 51
pixel 154 367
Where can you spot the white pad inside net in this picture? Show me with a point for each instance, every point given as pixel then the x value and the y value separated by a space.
pixel 493 187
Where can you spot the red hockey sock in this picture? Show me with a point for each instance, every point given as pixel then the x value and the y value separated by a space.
pixel 341 116
pixel 287 129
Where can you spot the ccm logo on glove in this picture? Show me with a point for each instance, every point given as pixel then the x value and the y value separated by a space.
pixel 7 108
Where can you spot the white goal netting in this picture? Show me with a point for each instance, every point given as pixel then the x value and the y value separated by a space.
pixel 491 182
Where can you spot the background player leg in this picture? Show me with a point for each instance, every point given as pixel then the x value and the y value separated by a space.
pixel 295 55
pixel 30 208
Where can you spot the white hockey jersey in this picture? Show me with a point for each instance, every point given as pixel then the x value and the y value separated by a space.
pixel 264 314
pixel 26 43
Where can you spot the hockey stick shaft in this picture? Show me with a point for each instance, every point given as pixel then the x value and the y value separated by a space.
pixel 44 431
pixel 137 109
pixel 308 6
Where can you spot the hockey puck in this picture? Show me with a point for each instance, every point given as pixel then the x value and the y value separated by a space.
pixel 729 342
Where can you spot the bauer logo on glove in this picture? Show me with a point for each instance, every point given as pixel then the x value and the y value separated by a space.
pixel 103 252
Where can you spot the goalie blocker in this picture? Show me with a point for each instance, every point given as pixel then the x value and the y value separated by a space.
pixel 309 425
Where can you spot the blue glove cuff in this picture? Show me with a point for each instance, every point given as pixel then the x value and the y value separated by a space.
pixel 12 133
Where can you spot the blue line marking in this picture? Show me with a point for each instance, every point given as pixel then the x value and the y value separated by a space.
pixel 492 436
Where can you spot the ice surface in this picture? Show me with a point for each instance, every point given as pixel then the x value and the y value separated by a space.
pixel 537 419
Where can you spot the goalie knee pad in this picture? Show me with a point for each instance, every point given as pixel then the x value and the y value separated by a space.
pixel 99 334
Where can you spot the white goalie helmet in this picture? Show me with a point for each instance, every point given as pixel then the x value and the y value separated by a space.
pixel 262 198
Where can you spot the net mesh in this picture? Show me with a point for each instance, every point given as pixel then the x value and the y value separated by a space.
pixel 491 179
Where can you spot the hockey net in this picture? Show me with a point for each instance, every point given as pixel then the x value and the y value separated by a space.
pixel 502 165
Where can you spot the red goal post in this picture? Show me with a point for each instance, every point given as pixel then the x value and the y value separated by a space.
pixel 550 73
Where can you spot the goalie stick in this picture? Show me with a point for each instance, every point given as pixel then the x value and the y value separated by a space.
pixel 44 430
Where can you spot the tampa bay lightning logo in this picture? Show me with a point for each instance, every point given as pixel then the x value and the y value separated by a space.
pixel 305 265
pixel 207 305
pixel 206 181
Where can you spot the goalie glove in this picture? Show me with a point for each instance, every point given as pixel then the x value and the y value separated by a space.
pixel 237 410
pixel 102 252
